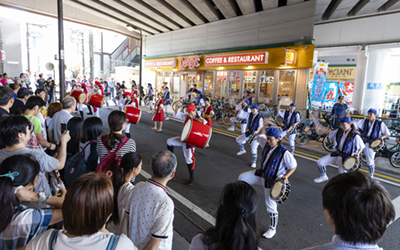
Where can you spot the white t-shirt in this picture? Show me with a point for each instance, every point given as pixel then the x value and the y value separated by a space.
pixel 197 243
pixel 98 241
pixel 49 123
pixel 123 197
pixel 151 213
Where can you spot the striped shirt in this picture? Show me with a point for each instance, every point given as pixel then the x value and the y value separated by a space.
pixel 26 224
pixel 130 146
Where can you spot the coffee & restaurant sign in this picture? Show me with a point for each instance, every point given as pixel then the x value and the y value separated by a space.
pixel 249 58
pixel 160 63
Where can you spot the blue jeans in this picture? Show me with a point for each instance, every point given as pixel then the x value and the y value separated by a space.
pixel 50 97
pixel 112 92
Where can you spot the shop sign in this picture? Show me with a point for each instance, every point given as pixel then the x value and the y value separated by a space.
pixel 375 86
pixel 342 73
pixel 291 56
pixel 160 63
pixel 190 62
pixel 249 58
pixel 221 76
pixel 234 76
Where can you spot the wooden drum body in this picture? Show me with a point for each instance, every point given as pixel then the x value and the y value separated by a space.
pixel 133 114
pixel 79 96
pixel 96 100
pixel 196 134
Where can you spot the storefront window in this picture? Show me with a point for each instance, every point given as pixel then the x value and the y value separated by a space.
pixel 286 86
pixel 175 87
pixel 167 79
pixel 221 84
pixel 234 85
pixel 208 84
pixel 266 86
pixel 249 80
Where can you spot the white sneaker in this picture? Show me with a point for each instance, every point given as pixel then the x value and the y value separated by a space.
pixel 321 179
pixel 231 129
pixel 253 165
pixel 241 152
pixel 270 233
pixel 167 118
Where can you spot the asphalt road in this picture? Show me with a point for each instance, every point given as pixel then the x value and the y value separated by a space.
pixel 301 220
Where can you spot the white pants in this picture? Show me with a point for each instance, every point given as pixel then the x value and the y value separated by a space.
pixel 252 179
pixel 127 128
pixel 166 109
pixel 254 145
pixel 369 154
pixel 243 126
pixel 327 160
pixel 107 97
pixel 187 152
pixel 97 113
pixel 151 105
pixel 292 137
pixel 80 106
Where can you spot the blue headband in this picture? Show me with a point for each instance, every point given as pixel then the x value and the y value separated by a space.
pixel 255 106
pixel 166 88
pixel 372 111
pixel 10 175
pixel 247 101
pixel 345 119
pixel 273 132
pixel 293 104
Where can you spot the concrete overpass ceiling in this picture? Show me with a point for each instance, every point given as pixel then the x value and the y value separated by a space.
pixel 228 8
pixel 269 4
pixel 170 12
pixel 206 8
pixel 343 9
pixel 184 7
pixel 392 5
pixel 246 6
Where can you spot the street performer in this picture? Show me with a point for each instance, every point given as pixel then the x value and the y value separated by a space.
pixel 254 126
pixel 128 103
pixel 158 115
pixel 372 129
pixel 242 116
pixel 290 117
pixel 188 150
pixel 208 111
pixel 348 143
pixel 276 163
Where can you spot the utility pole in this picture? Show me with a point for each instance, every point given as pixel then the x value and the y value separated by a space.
pixel 61 48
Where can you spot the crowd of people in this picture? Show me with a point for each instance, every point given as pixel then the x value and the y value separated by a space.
pixel 63 181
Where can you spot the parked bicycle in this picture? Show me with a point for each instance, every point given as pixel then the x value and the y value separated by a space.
pixel 311 130
pixel 389 150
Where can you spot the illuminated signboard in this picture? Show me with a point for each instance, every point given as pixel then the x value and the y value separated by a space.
pixel 249 58
pixel 291 56
pixel 160 63
pixel 190 62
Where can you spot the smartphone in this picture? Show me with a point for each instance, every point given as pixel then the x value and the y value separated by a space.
pixel 63 128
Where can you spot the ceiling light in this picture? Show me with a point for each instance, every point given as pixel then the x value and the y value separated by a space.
pixel 129 27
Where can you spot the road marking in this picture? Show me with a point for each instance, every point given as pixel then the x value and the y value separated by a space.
pixel 196 209
pixel 396 203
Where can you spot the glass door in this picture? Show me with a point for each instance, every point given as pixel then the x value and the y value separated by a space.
pixel 234 86
pixel 208 84
pixel 249 79
pixel 221 84
pixel 286 86
pixel 266 86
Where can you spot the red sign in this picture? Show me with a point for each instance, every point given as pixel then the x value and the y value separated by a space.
pixel 190 62
pixel 160 63
pixel 234 76
pixel 250 58
pixel 221 76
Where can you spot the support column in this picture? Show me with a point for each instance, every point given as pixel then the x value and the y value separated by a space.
pixel 61 48
pixel 91 59
pixel 360 79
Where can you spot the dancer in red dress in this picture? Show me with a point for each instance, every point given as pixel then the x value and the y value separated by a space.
pixel 208 112
pixel 158 113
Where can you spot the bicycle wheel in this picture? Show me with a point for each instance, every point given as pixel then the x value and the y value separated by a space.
pixel 218 118
pixel 302 139
pixel 395 159
pixel 295 138
pixel 328 144
pixel 227 118
pixel 238 125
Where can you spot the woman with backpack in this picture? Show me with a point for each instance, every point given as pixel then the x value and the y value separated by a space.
pixel 130 167
pixel 113 146
pixel 92 128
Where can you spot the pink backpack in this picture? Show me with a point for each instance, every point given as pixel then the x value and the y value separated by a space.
pixel 111 161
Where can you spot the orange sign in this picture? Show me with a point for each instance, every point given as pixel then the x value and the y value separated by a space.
pixel 290 57
pixel 250 58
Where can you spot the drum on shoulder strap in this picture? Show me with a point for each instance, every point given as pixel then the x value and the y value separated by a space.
pixel 291 129
pixel 377 145
pixel 79 96
pixel 196 134
pixel 97 100
pixel 280 191
pixel 351 164
pixel 133 114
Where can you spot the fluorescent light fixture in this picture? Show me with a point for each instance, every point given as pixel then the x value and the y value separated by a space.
pixel 129 27
pixel 12 62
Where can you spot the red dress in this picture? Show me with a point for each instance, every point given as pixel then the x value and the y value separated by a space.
pixel 207 115
pixel 159 111
pixel 135 93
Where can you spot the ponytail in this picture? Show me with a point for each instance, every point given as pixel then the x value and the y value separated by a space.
pixel 17 170
pixel 128 162
pixel 116 120
pixel 111 139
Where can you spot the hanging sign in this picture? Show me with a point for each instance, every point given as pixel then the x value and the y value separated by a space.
pixel 342 73
pixel 190 62
pixel 160 63
pixel 291 56
pixel 250 58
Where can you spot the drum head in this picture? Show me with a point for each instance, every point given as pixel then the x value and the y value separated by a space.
pixel 349 163
pixel 276 189
pixel 375 143
pixel 186 130
pixel 82 98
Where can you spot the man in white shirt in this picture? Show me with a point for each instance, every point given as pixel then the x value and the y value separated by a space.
pixel 63 116
pixel 372 130
pixel 150 209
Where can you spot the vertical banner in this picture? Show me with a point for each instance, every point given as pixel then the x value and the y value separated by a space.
pixel 318 85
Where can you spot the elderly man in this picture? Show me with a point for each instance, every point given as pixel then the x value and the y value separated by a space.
pixel 149 210
pixel 63 116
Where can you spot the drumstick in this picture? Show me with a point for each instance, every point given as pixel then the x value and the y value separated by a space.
pixel 244 100
pixel 185 96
